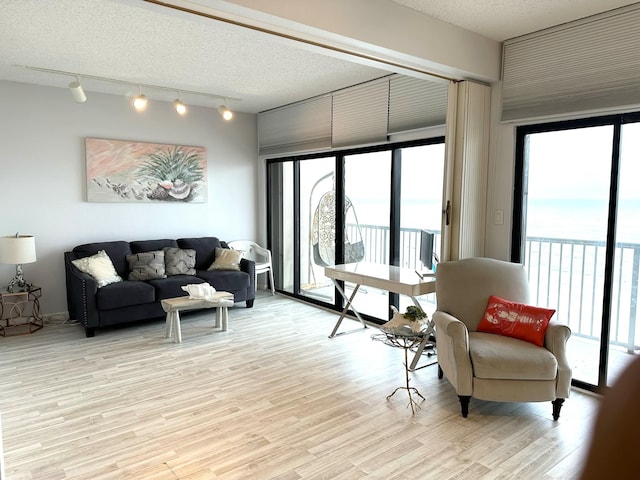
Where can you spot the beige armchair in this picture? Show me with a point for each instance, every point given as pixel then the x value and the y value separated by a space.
pixel 260 255
pixel 488 366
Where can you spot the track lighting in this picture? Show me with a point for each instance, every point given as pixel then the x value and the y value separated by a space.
pixel 179 106
pixel 77 91
pixel 140 101
pixel 225 112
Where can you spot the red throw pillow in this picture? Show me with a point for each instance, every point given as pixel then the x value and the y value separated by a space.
pixel 516 320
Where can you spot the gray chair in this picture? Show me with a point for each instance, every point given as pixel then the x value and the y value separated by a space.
pixel 489 366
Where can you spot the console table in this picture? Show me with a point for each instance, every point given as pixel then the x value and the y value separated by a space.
pixel 20 312
pixel 403 281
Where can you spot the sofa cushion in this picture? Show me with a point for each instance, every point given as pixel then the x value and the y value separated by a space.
pixel 124 294
pixel 205 248
pixel 172 286
pixel 138 246
pixel 146 265
pixel 117 252
pixel 225 280
pixel 100 267
pixel 226 259
pixel 506 358
pixel 179 261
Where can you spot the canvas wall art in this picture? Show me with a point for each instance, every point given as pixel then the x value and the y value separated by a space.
pixel 122 171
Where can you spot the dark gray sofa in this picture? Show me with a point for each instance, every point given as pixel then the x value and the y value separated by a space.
pixel 132 300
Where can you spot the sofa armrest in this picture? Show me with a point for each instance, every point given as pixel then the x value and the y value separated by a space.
pixel 555 340
pixel 452 341
pixel 81 294
pixel 249 266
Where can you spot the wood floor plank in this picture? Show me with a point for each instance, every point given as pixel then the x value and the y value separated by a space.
pixel 271 398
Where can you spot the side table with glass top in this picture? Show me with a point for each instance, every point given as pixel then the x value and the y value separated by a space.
pixel 407 340
pixel 20 312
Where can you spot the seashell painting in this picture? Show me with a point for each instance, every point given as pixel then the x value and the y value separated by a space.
pixel 123 171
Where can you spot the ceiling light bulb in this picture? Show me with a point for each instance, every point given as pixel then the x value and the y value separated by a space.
pixel 140 102
pixel 77 92
pixel 180 107
pixel 225 112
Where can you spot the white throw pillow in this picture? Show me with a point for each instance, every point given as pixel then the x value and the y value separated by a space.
pixel 226 259
pixel 100 267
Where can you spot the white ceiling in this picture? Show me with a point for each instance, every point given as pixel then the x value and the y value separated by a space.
pixel 132 41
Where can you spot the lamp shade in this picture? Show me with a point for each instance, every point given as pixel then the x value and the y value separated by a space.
pixel 18 249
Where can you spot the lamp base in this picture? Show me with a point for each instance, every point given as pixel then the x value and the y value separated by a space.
pixel 17 283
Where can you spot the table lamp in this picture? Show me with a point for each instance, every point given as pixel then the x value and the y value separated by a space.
pixel 16 250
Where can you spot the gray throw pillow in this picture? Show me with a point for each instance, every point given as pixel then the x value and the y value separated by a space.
pixel 179 261
pixel 146 265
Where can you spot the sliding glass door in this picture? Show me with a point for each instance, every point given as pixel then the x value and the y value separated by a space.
pixel 575 229
pixel 355 205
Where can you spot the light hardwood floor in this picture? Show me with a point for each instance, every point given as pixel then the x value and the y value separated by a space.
pixel 271 398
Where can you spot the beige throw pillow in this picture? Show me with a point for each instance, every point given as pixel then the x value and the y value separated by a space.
pixel 100 267
pixel 226 259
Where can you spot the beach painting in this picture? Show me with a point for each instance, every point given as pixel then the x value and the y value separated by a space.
pixel 124 171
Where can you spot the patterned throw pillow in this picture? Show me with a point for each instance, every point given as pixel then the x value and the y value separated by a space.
pixel 146 265
pixel 226 259
pixel 178 261
pixel 100 267
pixel 516 320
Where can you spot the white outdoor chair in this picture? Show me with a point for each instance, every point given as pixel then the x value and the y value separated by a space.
pixel 260 255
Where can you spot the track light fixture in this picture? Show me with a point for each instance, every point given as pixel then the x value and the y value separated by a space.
pixel 179 106
pixel 140 101
pixel 225 112
pixel 77 92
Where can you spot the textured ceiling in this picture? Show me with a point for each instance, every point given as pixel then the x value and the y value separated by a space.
pixel 504 19
pixel 133 41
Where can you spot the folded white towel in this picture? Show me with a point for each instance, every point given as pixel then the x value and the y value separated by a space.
pixel 200 291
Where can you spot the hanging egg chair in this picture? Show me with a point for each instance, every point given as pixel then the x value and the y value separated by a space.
pixel 323 232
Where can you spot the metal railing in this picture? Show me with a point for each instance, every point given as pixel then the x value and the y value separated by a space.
pixel 564 274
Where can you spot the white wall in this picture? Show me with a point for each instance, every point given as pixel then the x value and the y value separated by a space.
pixel 43 177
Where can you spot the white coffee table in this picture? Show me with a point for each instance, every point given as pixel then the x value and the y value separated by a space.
pixel 173 306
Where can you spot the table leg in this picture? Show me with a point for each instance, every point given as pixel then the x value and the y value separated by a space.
pixel 168 325
pixel 177 334
pixel 225 318
pixel 430 331
pixel 218 322
pixel 346 308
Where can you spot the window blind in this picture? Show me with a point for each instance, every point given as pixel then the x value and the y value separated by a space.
pixel 304 126
pixel 415 103
pixel 590 64
pixel 360 114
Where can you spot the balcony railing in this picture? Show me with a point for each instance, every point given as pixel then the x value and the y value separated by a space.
pixel 564 274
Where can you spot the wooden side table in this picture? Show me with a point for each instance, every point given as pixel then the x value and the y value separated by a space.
pixel 20 312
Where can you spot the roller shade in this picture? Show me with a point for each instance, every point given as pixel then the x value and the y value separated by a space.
pixel 591 64
pixel 360 114
pixel 415 103
pixel 304 126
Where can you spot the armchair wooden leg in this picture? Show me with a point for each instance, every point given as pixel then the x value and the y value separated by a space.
pixel 557 405
pixel 440 372
pixel 464 404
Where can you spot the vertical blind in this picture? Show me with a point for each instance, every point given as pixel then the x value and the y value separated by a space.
pixel 591 64
pixel 357 115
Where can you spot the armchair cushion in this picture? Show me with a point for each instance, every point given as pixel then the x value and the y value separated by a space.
pixel 516 320
pixel 503 358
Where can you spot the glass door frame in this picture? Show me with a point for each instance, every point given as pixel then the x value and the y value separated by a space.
pixel 518 237
pixel 394 150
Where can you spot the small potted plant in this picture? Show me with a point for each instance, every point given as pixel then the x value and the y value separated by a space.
pixel 414 313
